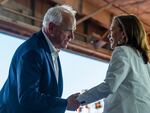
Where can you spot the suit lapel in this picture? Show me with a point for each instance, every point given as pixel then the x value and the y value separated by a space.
pixel 47 52
pixel 50 60
pixel 60 80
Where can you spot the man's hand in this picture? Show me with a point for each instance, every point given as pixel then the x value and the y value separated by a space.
pixel 73 104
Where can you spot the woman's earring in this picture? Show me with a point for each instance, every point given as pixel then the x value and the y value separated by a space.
pixel 52 35
pixel 121 41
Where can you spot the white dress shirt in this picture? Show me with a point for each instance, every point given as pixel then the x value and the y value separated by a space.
pixel 54 54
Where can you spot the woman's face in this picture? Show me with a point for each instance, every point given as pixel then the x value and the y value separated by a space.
pixel 116 34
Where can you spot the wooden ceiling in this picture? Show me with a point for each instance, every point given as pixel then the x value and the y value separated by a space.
pixel 23 17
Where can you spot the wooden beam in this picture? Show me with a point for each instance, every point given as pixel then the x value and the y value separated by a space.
pixel 32 7
pixel 124 11
pixel 2 2
pixel 89 50
pixel 26 30
pixel 16 27
pixel 95 12
pixel 21 14
pixel 96 36
pixel 80 6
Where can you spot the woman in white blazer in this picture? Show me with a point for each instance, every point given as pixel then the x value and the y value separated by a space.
pixel 126 88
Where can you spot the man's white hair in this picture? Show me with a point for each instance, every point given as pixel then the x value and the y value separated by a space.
pixel 54 15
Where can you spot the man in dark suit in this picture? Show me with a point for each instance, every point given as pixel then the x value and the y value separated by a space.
pixel 35 83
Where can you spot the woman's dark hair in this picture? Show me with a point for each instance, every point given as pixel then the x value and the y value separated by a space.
pixel 136 35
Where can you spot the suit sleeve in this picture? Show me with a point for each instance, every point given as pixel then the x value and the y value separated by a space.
pixel 29 71
pixel 119 68
pixel 116 73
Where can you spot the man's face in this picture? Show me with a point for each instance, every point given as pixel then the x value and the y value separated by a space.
pixel 64 33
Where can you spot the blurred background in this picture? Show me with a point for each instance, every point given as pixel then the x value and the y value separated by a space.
pixel 85 61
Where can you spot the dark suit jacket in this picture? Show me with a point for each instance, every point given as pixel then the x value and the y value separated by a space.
pixel 31 86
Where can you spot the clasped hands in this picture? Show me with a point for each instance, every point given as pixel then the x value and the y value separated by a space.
pixel 73 103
